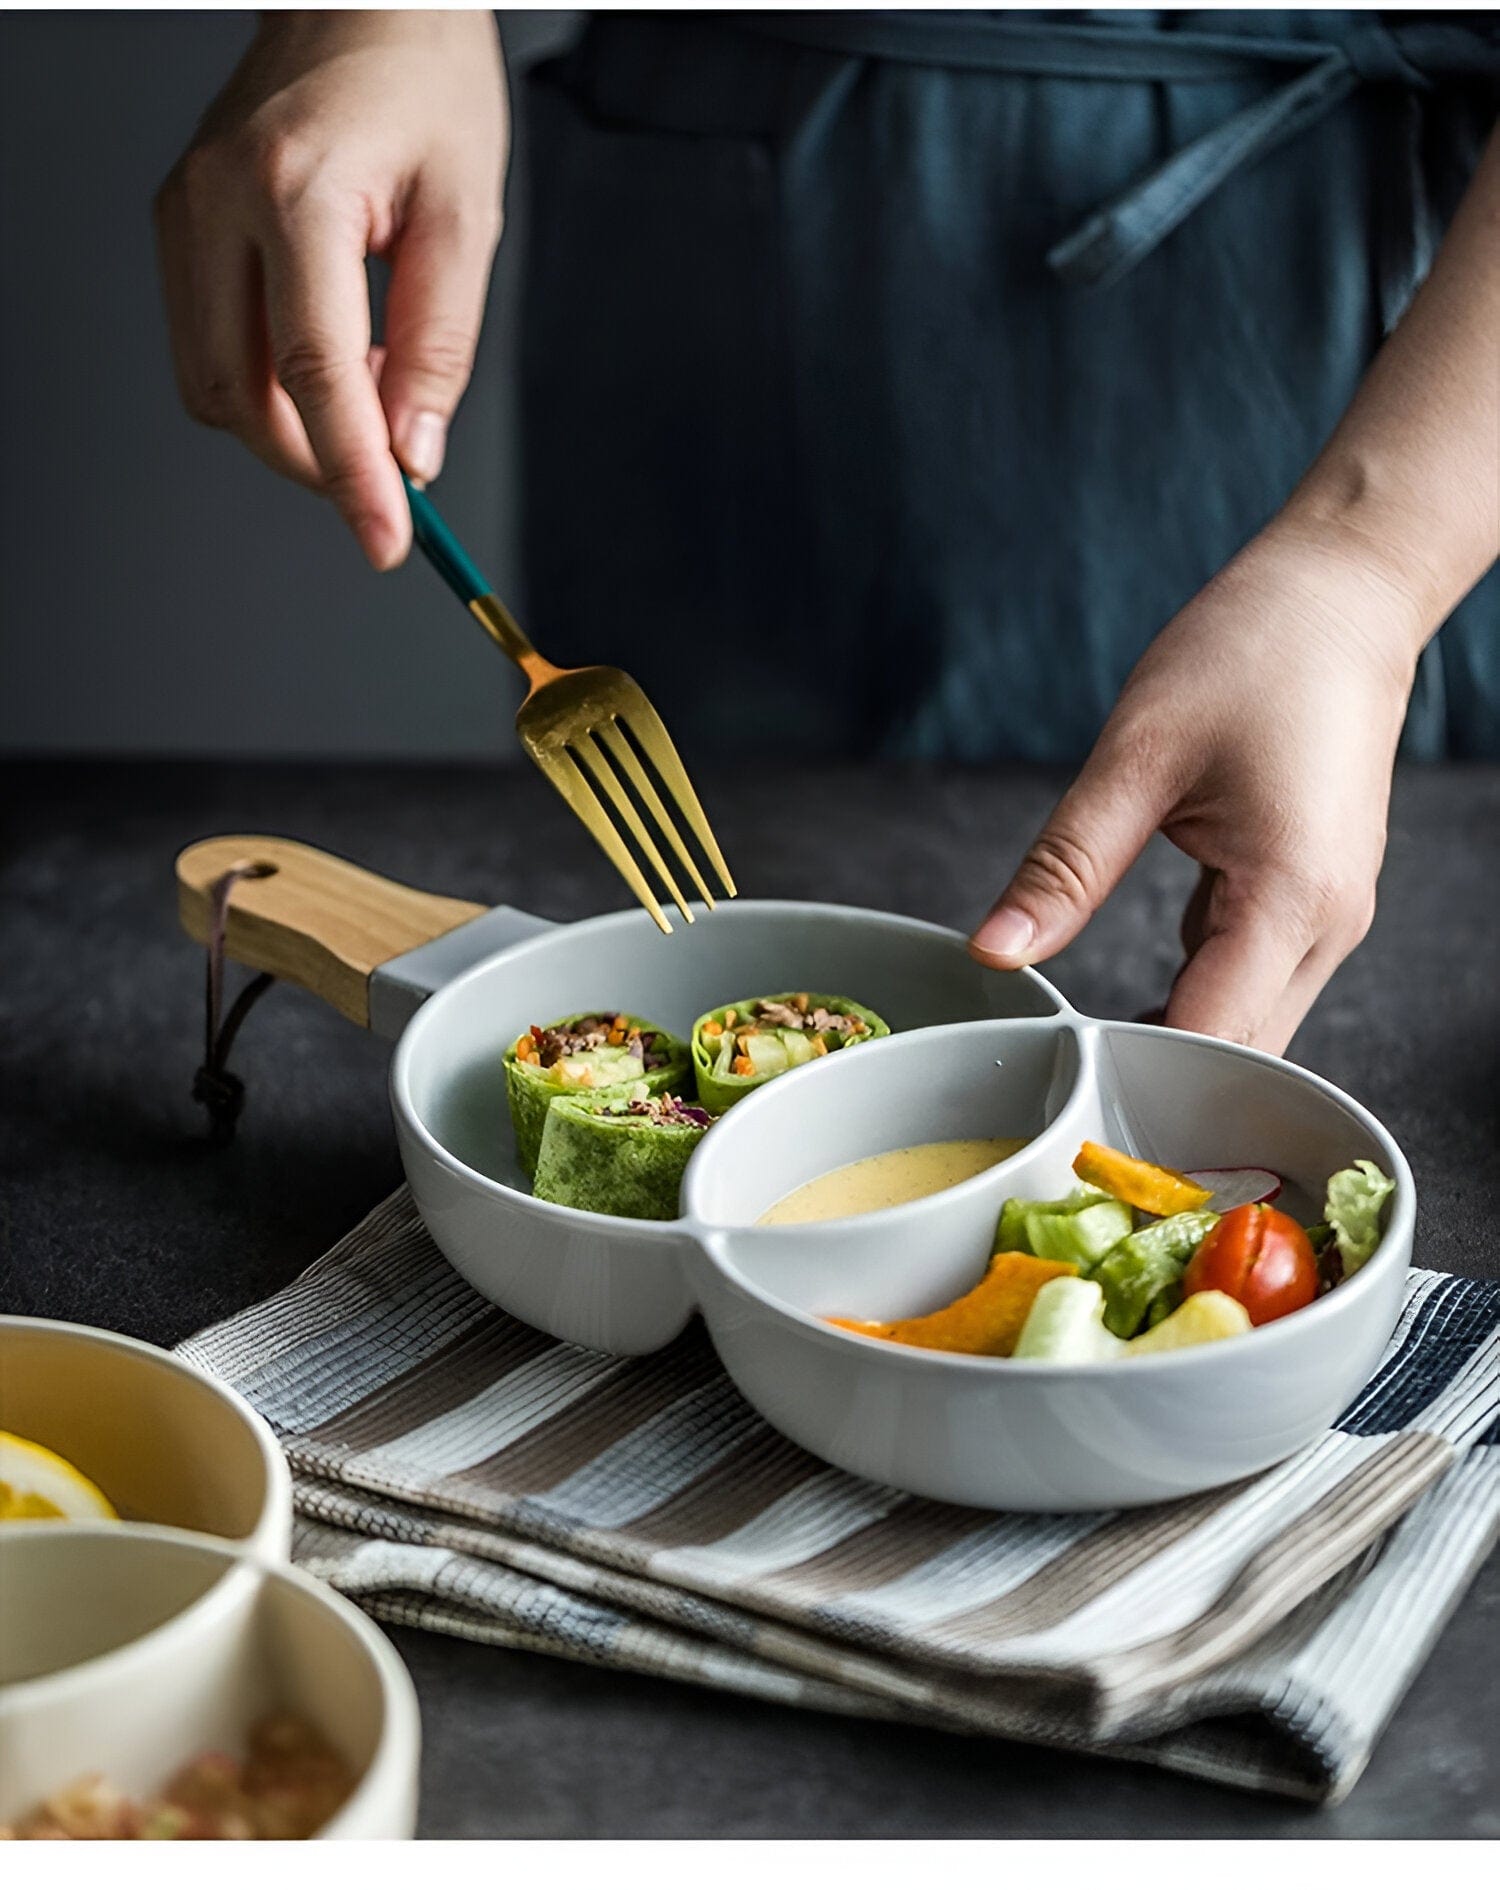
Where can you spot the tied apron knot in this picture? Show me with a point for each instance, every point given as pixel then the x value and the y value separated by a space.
pixel 219 1090
pixel 1375 57
pixel 1114 239
pixel 1315 76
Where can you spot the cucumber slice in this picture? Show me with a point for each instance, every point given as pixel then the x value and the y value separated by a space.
pixel 1066 1325
pixel 1082 1228
pixel 604 1068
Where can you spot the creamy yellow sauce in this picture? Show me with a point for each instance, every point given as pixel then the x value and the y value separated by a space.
pixel 883 1181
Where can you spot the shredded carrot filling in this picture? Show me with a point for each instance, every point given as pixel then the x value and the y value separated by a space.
pixel 742 1066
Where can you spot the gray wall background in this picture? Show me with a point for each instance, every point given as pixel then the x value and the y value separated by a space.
pixel 160 591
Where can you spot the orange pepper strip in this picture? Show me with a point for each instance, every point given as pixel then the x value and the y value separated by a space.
pixel 1139 1184
pixel 987 1320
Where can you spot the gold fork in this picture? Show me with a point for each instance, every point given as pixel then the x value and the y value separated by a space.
pixel 585 729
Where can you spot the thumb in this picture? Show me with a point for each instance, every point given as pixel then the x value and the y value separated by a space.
pixel 434 307
pixel 1095 833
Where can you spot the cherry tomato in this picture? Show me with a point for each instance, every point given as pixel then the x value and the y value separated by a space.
pixel 1260 1257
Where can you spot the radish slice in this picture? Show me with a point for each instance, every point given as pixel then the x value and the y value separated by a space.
pixel 1236 1187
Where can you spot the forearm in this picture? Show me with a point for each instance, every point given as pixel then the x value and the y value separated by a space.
pixel 1409 483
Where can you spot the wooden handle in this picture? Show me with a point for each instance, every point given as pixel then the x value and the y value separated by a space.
pixel 313 918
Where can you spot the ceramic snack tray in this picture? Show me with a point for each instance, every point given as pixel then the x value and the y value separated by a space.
pixel 974 1052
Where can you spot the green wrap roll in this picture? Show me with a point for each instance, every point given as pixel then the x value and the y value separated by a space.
pixel 774 1034
pixel 576 1055
pixel 620 1154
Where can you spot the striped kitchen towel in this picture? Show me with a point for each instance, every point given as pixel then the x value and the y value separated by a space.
pixel 458 1470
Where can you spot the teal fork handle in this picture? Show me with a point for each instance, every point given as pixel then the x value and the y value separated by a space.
pixel 441 548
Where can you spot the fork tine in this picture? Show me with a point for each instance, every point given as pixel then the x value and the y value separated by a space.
pixel 625 755
pixel 598 765
pixel 650 731
pixel 569 780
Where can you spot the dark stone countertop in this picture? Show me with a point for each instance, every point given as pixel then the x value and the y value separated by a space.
pixel 115 1212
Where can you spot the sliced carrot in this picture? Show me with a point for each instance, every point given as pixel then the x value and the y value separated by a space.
pixel 1139 1184
pixel 986 1320
pixel 742 1066
pixel 713 1028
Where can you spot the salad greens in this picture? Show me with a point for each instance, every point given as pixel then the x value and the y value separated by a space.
pixel 1142 1275
pixel 1069 1325
pixel 1355 1198
pixel 1082 1228
pixel 1131 1277
pixel 1098 1276
pixel 1139 1269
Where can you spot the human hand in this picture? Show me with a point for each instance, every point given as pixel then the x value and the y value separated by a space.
pixel 1258 733
pixel 340 136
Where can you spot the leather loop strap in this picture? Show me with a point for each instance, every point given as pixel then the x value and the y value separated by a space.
pixel 219 1090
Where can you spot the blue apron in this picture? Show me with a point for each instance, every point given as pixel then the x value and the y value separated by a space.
pixel 889 379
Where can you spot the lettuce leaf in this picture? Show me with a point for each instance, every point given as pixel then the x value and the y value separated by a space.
pixel 1356 1197
pixel 1145 1271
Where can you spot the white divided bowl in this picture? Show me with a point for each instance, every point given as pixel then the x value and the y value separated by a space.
pixel 622 1286
pixel 1009 1433
pixel 127 1651
pixel 991 1432
pixel 165 1442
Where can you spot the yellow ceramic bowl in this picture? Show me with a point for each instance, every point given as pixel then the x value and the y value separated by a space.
pixel 165 1442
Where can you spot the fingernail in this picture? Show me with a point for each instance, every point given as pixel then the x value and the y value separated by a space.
pixel 421 440
pixel 1007 935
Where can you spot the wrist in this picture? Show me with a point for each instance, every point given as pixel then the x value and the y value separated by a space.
pixel 1302 581
pixel 1363 514
pixel 1344 540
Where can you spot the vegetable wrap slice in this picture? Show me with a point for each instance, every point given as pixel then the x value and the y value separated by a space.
pixel 740 1046
pixel 588 1053
pixel 618 1154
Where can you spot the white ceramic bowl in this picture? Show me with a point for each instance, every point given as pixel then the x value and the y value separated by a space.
pixel 1003 1433
pixel 127 1650
pixel 618 1285
pixel 165 1442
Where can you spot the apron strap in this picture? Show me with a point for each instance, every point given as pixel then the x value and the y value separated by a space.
pixel 1114 239
pixel 1323 72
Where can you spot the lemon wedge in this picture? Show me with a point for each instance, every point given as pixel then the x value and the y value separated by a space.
pixel 36 1485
